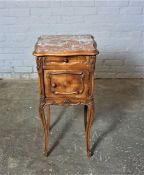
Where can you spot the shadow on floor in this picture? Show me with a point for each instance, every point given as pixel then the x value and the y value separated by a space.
pixel 113 125
pixel 121 98
pixel 64 130
pixel 57 119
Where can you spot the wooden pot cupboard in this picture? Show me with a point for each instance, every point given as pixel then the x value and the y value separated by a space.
pixel 65 65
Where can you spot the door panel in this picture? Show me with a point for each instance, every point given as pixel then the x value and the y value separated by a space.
pixel 66 83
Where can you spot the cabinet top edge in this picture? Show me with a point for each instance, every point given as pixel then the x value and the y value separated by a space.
pixel 65 45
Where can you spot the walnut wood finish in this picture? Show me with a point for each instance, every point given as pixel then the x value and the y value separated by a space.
pixel 66 81
pixel 66 65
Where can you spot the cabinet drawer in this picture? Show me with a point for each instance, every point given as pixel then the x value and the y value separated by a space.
pixel 66 83
pixel 67 62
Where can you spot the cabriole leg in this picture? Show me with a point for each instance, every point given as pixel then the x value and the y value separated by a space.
pixel 90 117
pixel 45 127
pixel 48 121
pixel 85 116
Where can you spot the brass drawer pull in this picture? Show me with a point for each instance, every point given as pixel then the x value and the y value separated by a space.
pixel 66 60
pixel 53 85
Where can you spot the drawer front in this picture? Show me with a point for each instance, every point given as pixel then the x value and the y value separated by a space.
pixel 67 62
pixel 66 83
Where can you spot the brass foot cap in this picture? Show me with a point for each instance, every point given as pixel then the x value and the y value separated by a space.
pixel 45 154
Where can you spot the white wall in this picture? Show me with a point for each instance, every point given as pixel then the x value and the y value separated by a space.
pixel 118 27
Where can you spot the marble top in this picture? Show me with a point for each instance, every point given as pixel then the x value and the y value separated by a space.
pixel 61 45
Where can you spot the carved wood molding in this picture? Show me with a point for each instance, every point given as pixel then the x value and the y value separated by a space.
pixel 39 63
pixel 42 101
pixel 69 101
pixel 52 85
pixel 92 61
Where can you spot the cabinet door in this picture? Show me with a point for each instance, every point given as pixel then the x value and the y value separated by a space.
pixel 66 83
